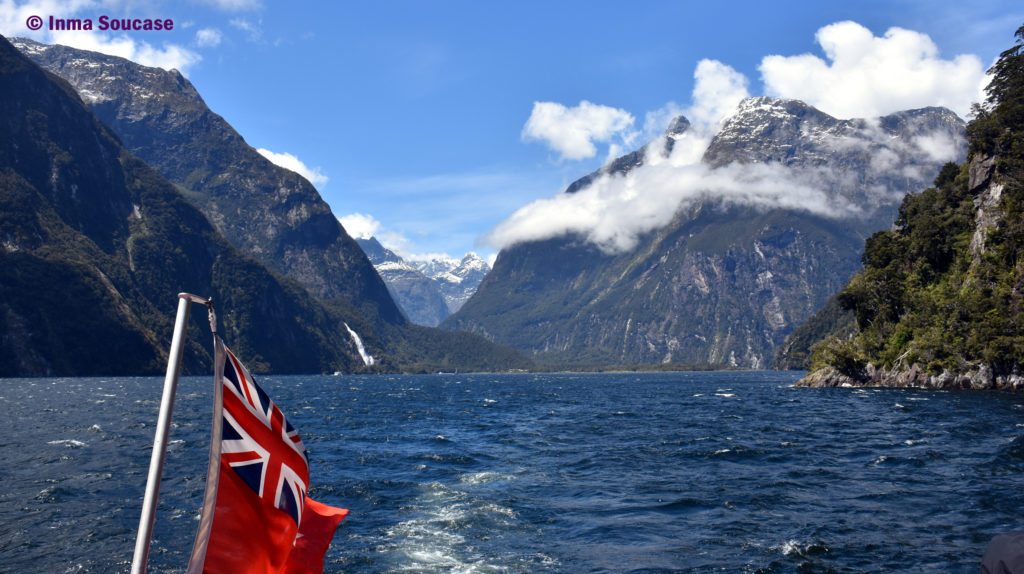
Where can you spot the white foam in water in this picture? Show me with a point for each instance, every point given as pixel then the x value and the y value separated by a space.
pixel 68 442
pixel 790 547
pixel 433 540
pixel 726 395
pixel 483 477
pixel 498 509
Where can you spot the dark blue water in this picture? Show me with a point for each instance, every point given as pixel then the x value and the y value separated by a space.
pixel 690 472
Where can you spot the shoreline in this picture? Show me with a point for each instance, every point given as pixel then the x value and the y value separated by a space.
pixel 978 378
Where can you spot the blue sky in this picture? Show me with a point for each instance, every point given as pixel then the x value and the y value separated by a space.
pixel 414 112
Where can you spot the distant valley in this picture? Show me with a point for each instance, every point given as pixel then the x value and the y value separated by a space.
pixel 428 291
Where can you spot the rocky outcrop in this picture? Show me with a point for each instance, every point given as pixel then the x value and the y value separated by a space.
pixel 975 377
pixel 986 191
pixel 987 196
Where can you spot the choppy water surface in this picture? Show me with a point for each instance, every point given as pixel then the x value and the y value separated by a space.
pixel 682 472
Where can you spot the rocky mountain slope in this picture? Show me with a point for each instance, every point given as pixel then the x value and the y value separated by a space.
pixel 289 281
pixel 266 211
pixel 95 245
pixel 418 296
pixel 427 291
pixel 940 301
pixel 724 282
pixel 457 279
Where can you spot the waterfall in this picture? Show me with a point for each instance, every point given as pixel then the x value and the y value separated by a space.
pixel 367 359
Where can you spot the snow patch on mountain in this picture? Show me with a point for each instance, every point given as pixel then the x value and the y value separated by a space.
pixel 428 288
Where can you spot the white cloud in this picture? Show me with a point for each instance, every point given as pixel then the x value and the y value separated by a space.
pixel 865 76
pixel 868 76
pixel 573 131
pixel 718 89
pixel 13 15
pixel 938 146
pixel 254 30
pixel 428 257
pixel 365 226
pixel 234 5
pixel 615 211
pixel 360 225
pixel 289 161
pixel 243 24
pixel 208 37
pixel 657 121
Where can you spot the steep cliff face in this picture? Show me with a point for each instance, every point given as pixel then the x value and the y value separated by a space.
pixel 940 301
pixel 95 245
pixel 723 283
pixel 266 211
pixel 717 287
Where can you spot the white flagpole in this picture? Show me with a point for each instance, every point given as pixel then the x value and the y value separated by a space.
pixel 163 426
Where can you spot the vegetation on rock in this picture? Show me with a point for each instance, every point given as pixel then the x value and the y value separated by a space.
pixel 944 289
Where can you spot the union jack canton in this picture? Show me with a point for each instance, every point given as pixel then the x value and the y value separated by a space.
pixel 259 443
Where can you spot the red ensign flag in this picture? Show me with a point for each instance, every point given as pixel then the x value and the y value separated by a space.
pixel 256 516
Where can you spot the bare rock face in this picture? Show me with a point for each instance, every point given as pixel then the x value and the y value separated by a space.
pixel 722 284
pixel 988 193
pixel 976 377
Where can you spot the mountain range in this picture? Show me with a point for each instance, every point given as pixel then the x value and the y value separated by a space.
pixel 430 290
pixel 722 284
pixel 153 194
pixel 726 280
